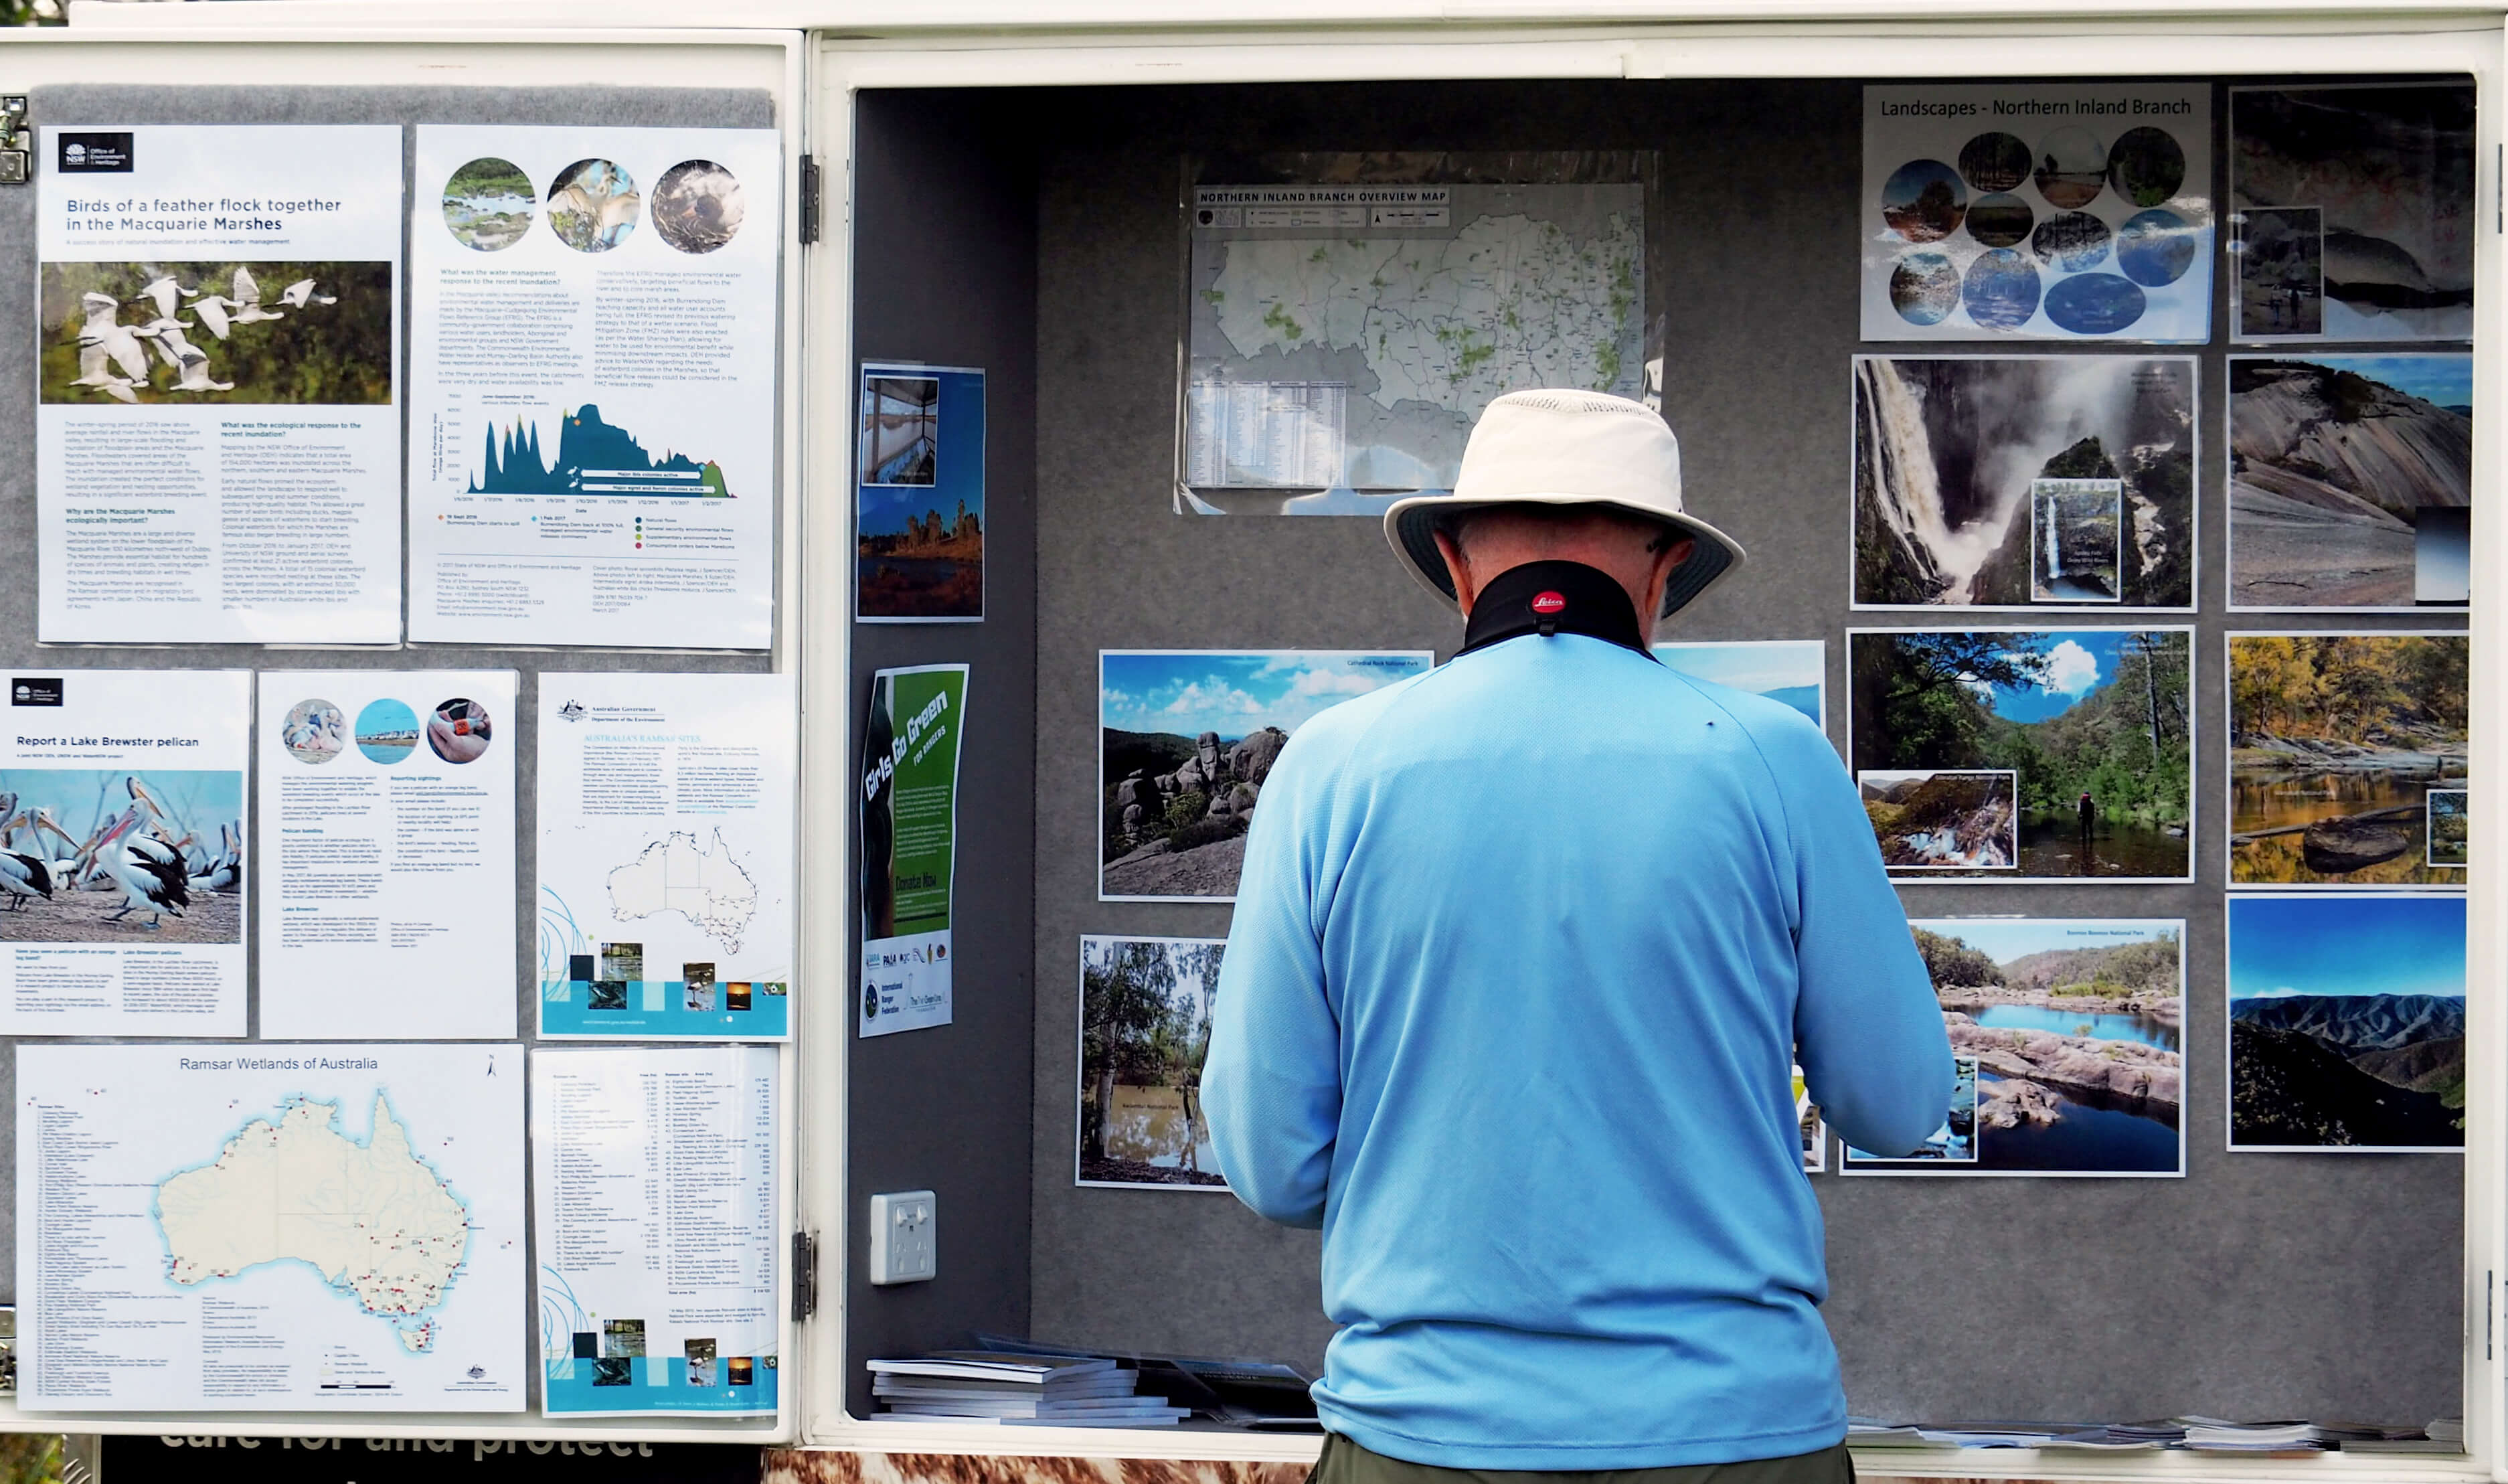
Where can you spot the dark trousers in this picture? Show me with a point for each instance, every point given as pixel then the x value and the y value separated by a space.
pixel 1347 1463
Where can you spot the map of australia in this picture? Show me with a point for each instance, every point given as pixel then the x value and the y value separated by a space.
pixel 700 881
pixel 373 1219
pixel 1508 302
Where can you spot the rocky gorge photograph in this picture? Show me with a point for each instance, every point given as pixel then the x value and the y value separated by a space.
pixel 2346 1022
pixel 2094 728
pixel 2351 481
pixel 2337 743
pixel 1186 738
pixel 1974 479
pixel 2076 1026
pixel 2387 170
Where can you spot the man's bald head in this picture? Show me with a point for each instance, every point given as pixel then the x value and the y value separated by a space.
pixel 1641 554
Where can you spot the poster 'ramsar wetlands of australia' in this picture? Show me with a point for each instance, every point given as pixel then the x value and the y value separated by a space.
pixel 2077 1029
pixel 1953 455
pixel 2346 1022
pixel 2340 744
pixel 2025 754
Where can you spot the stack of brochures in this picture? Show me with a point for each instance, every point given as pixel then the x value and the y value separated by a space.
pixel 2207 1435
pixel 2212 1435
pixel 988 1386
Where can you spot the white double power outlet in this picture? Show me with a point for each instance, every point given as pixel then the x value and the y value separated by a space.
pixel 904 1245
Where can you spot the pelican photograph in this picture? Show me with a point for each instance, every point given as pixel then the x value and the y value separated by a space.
pixel 314 731
pixel 488 204
pixel 176 334
pixel 90 855
pixel 593 206
pixel 697 205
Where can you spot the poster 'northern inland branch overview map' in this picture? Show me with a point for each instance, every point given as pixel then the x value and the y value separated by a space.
pixel 1344 339
pixel 295 1228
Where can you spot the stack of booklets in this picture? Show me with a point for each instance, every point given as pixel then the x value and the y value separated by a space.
pixel 2212 1435
pixel 985 1387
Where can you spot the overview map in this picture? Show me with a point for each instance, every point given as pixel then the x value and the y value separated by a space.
pixel 1343 340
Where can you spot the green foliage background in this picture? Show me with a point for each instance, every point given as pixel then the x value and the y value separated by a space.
pixel 322 355
pixel 2126 744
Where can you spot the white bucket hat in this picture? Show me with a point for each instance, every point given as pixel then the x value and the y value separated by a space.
pixel 1565 448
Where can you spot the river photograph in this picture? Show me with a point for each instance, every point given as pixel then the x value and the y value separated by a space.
pixel 2336 742
pixel 1145 1008
pixel 2094 725
pixel 2076 1028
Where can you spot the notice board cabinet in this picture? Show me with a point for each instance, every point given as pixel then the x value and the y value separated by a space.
pixel 983 187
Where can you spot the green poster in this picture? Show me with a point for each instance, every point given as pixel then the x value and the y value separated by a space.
pixel 910 845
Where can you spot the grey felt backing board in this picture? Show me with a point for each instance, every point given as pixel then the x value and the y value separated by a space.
pixel 2263 1285
pixel 946 264
pixel 617 107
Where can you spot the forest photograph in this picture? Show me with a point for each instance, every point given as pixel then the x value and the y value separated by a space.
pixel 2337 743
pixel 2094 727
pixel 1145 1008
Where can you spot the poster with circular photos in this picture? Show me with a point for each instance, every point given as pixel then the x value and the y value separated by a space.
pixel 2045 211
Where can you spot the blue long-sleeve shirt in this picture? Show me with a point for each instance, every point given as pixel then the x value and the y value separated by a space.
pixel 1523 952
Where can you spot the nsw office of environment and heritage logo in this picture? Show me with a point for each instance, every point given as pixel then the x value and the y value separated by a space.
pixel 95 153
pixel 29 692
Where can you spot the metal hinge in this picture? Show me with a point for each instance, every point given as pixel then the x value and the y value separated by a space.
pixel 2488 1311
pixel 809 200
pixel 805 1274
pixel 17 140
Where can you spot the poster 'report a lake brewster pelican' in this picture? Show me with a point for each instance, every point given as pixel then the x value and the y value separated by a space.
pixel 2065 210
pixel 910 847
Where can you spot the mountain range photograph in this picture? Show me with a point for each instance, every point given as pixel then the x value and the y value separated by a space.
pixel 2094 725
pixel 2351 481
pixel 1949 451
pixel 2347 1023
pixel 1793 672
pixel 2077 1026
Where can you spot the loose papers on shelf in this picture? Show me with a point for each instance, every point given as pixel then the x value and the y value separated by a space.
pixel 653 1208
pixel 387 800
pixel 304 1228
pixel 909 845
pixel 122 853
pixel 217 419
pixel 666 850
pixel 592 457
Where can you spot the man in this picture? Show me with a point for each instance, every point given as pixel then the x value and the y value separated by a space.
pixel 2088 813
pixel 1523 952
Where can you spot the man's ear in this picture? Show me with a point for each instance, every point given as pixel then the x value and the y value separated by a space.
pixel 1458 570
pixel 1665 562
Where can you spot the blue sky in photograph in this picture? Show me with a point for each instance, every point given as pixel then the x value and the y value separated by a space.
pixel 81 797
pixel 1758 667
pixel 2078 662
pixel 2005 939
pixel 2328 944
pixel 1191 691
pixel 2446 380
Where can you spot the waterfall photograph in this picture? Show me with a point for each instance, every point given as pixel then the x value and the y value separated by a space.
pixel 1962 463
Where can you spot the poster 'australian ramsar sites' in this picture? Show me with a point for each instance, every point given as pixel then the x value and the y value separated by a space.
pixel 2025 754
pixel 2067 210
pixel 2019 481
pixel 1348 321
pixel 2069 1035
